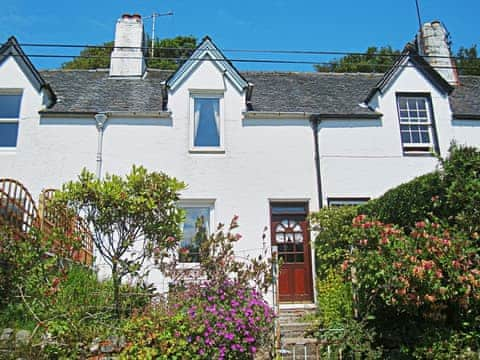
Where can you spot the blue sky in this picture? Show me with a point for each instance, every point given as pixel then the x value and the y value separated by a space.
pixel 342 25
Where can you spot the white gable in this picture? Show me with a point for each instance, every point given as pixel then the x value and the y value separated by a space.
pixel 207 52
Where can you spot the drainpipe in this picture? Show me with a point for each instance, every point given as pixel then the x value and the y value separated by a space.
pixel 315 122
pixel 100 121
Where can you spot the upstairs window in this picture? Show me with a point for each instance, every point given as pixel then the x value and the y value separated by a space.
pixel 9 116
pixel 416 123
pixel 207 123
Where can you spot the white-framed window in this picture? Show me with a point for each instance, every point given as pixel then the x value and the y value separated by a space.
pixel 10 101
pixel 416 123
pixel 199 219
pixel 340 201
pixel 206 121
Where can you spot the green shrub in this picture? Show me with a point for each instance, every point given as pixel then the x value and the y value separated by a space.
pixel 410 284
pixel 451 194
pixel 334 239
pixel 350 340
pixel 461 181
pixel 334 300
pixel 446 344
pixel 406 203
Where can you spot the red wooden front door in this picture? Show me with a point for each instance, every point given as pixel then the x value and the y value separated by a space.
pixel 291 235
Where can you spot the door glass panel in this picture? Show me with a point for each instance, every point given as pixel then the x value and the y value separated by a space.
pixel 298 237
pixel 289 236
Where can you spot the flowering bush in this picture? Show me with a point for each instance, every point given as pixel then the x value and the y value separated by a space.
pixel 216 311
pixel 413 285
pixel 207 322
pixel 427 272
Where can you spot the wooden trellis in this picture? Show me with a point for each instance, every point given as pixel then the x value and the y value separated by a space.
pixel 19 212
pixel 17 208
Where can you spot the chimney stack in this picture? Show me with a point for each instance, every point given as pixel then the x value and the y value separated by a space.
pixel 434 44
pixel 127 59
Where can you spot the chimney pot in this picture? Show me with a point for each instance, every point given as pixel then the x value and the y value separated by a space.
pixel 127 59
pixel 434 44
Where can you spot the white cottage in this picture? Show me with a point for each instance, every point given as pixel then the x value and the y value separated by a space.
pixel 267 146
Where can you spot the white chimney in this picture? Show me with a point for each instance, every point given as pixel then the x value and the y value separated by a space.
pixel 127 59
pixel 434 43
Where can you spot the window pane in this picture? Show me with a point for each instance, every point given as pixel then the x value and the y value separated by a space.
pixel 405 137
pixel 207 122
pixel 10 106
pixel 289 208
pixel 300 258
pixel 8 134
pixel 413 114
pixel 425 137
pixel 195 230
pixel 412 104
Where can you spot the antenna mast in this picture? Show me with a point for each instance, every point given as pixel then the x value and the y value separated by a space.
pixel 154 18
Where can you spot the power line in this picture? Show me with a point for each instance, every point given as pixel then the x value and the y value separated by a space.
pixel 267 61
pixel 258 51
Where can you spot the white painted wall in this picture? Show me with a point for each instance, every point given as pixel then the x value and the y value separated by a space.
pixel 49 151
pixel 264 159
pixel 364 158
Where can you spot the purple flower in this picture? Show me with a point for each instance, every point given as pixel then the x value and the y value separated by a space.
pixel 249 339
pixel 229 336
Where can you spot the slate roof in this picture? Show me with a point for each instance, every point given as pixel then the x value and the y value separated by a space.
pixel 465 99
pixel 318 93
pixel 94 91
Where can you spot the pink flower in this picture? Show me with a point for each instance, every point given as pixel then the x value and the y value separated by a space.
pixel 420 224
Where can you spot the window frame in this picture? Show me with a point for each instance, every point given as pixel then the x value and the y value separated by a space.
pixel 418 148
pixel 198 203
pixel 206 94
pixel 12 120
pixel 346 201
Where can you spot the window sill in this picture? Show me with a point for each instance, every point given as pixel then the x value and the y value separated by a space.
pixel 207 150
pixel 426 153
pixel 188 266
pixel 8 150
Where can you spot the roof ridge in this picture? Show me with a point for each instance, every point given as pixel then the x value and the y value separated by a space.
pixel 310 73
pixel 72 70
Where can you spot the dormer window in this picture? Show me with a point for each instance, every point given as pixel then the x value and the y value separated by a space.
pixel 10 101
pixel 206 122
pixel 416 123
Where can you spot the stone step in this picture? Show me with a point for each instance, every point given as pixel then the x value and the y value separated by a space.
pixel 294 329
pixel 295 315
pixel 298 348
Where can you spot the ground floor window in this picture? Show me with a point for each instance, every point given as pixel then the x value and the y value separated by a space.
pixel 196 228
pixel 346 201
